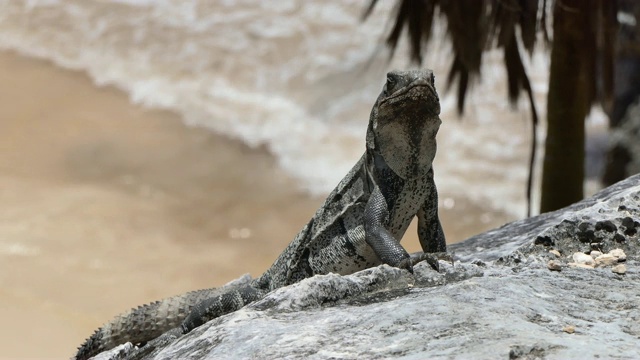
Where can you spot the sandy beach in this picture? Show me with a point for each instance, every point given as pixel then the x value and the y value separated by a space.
pixel 106 205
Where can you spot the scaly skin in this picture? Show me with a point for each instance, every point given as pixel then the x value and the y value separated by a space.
pixel 359 226
pixel 149 321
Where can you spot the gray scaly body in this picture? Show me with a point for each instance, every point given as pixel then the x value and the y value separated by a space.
pixel 359 226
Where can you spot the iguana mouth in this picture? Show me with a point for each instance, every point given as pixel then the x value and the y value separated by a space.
pixel 405 90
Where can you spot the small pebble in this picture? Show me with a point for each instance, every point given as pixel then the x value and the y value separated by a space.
pixel 606 260
pixel 618 254
pixel 554 265
pixel 555 252
pixel 582 258
pixel 595 253
pixel 569 329
pixel 619 269
pixel 584 266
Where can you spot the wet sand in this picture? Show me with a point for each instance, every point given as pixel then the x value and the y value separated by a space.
pixel 106 205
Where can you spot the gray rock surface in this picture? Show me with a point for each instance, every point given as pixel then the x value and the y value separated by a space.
pixel 500 300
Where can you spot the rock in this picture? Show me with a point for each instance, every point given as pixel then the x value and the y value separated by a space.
pixel 606 225
pixel 559 225
pixel 117 353
pixel 579 265
pixel 606 260
pixel 510 306
pixel 555 252
pixel 554 265
pixel 630 226
pixel 618 254
pixel 619 269
pixel 594 254
pixel 619 238
pixel 583 259
pixel 523 352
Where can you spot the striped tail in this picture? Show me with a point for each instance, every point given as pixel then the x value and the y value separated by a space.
pixel 144 323
pixel 217 306
pixel 147 322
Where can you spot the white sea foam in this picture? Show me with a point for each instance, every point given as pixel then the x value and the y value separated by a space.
pixel 297 76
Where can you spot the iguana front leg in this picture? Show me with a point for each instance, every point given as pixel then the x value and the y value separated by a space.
pixel 388 249
pixel 430 231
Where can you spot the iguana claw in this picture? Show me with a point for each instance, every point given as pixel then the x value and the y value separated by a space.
pixel 406 264
pixel 430 258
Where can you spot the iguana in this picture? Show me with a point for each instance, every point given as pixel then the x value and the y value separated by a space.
pixel 359 226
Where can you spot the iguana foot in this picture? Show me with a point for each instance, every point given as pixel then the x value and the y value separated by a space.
pixel 430 258
pixel 406 264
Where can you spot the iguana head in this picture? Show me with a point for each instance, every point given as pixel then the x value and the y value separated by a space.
pixel 404 122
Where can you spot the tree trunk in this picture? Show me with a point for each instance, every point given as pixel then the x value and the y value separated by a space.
pixel 570 93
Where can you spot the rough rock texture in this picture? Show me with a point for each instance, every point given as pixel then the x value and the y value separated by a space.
pixel 500 300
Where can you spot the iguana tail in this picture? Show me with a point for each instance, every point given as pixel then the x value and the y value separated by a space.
pixel 143 323
pixel 146 322
pixel 226 303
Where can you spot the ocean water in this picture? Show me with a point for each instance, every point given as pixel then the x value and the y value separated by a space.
pixel 297 77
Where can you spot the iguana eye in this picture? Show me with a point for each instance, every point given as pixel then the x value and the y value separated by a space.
pixel 433 80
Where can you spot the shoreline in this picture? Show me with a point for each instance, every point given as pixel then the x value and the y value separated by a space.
pixel 101 196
